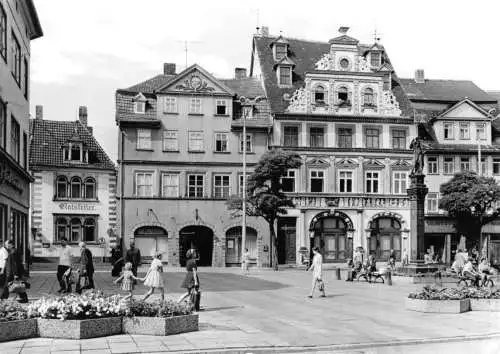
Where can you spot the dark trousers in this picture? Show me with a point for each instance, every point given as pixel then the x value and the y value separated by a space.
pixel 4 288
pixel 61 269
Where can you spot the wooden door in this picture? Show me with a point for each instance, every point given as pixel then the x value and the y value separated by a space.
pixel 233 250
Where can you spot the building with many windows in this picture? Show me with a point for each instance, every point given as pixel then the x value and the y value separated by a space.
pixel 459 122
pixel 74 191
pixel 180 158
pixel 340 105
pixel 19 25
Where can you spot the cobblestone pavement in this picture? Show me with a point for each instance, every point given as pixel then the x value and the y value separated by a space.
pixel 270 311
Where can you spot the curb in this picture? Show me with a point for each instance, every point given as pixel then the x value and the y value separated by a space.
pixel 336 347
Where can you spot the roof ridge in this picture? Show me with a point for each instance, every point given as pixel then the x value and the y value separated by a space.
pixel 311 40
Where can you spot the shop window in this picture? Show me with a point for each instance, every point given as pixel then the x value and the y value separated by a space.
pixel 89 230
pixel 61 229
pixel 75 230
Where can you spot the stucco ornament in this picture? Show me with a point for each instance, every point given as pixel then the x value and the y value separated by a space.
pixel 298 102
pixel 363 65
pixel 325 63
pixel 390 106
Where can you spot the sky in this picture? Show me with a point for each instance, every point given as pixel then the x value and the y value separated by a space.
pixel 91 48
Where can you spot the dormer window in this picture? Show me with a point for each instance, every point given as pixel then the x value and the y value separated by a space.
pixel 280 51
pixel 319 95
pixel 375 59
pixel 285 76
pixel 140 104
pixel 74 152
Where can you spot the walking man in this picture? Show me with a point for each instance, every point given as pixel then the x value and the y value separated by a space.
pixel 133 256
pixel 317 269
pixel 64 264
pixel 86 268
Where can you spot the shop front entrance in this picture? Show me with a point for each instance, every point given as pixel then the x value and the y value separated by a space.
pixel 199 238
pixel 331 236
pixel 385 235
pixel 150 240
pixel 287 236
pixel 233 245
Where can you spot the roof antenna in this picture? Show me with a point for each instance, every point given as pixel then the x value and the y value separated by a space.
pixel 376 35
pixel 258 20
pixel 186 49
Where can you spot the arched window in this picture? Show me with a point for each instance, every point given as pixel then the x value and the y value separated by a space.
pixel 368 97
pixel 89 230
pixel 90 192
pixel 343 96
pixel 75 230
pixel 319 95
pixel 61 229
pixel 76 187
pixel 62 187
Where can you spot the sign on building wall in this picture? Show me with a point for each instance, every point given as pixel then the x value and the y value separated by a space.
pixel 77 206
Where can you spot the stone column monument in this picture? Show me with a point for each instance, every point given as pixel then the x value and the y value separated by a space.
pixel 417 193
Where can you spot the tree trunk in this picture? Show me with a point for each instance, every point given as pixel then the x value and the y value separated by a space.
pixel 274 246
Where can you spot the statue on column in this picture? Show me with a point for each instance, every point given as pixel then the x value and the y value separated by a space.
pixel 418 146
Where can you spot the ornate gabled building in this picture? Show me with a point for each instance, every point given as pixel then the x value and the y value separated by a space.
pixel 340 105
pixel 74 192
pixel 180 158
pixel 459 123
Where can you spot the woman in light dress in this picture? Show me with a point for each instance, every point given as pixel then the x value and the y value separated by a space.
pixel 154 278
pixel 317 269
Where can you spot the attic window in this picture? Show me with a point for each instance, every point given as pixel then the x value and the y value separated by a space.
pixel 75 152
pixel 280 51
pixel 343 96
pixel 319 95
pixel 285 75
pixel 375 59
pixel 140 107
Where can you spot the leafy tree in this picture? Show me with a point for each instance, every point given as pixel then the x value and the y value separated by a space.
pixel 471 200
pixel 264 197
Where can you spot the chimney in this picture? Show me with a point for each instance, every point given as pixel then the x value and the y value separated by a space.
pixel 82 115
pixel 169 68
pixel 240 73
pixel 419 76
pixel 39 112
pixel 264 31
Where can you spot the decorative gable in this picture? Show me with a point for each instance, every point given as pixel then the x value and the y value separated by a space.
pixel 317 162
pixel 346 163
pixel 196 80
pixel 401 164
pixel 373 164
pixel 286 61
pixel 466 109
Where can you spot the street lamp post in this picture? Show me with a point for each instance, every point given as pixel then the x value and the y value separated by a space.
pixel 244 186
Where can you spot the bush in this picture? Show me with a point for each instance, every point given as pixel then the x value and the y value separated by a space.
pixel 168 308
pixel 12 311
pixel 433 293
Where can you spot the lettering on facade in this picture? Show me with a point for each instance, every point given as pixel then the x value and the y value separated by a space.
pixel 8 178
pixel 351 202
pixel 77 206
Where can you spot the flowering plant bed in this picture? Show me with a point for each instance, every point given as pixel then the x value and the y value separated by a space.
pixel 440 306
pixel 160 319
pixel 14 322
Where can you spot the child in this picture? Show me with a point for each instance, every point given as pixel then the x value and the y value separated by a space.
pixel 245 262
pixel 127 279
pixel 154 278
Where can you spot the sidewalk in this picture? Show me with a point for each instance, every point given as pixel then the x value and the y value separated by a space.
pixel 269 311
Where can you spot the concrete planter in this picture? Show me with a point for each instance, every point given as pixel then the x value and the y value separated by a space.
pixel 160 326
pixel 79 329
pixel 21 329
pixel 438 306
pixel 492 305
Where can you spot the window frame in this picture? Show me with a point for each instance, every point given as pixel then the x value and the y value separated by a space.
pixel 144 139
pixel 372 182
pixel 170 104
pixel 341 138
pixel 293 179
pixel 16 59
pixel 378 55
pixel 192 139
pixel 448 163
pixel 75 181
pixel 225 190
pixel 429 201
pixel 369 98
pixel 287 137
pixel 399 142
pixel 450 128
pixel 249 143
pixel 478 125
pixel 322 136
pixel 3 124
pixel 434 163
pixel 317 171
pixel 320 90
pixel 165 187
pixel 137 185
pixel 140 107
pixel 225 105
pixel 216 140
pixel 285 76
pixel 195 106
pixel 240 182
pixel 3 33
pixel 496 162
pixel 196 186
pixel 25 75
pixel 174 139
pixel 277 53
pixel 15 139
pixel 345 187
pixel 465 163
pixel 90 181
pixel 62 181
pixel 372 138
pixel 463 131
pixel 398 182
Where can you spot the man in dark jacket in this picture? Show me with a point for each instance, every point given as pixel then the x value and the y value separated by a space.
pixel 86 268
pixel 14 270
pixel 133 256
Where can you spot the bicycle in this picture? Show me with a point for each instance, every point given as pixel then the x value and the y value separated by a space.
pixel 468 282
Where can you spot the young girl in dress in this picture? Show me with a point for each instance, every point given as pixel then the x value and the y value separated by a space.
pixel 154 277
pixel 127 279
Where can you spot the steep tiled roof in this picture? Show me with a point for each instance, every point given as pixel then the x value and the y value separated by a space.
pixel 151 84
pixel 125 108
pixel 48 137
pixel 305 54
pixel 248 87
pixel 444 90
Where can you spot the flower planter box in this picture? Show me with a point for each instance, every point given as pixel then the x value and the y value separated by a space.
pixel 160 326
pixel 79 329
pixel 21 329
pixel 485 305
pixel 438 306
